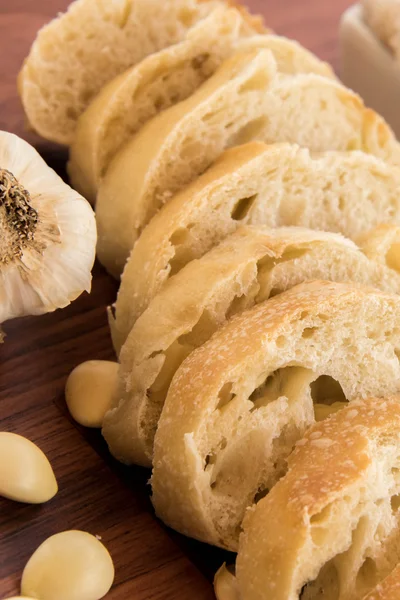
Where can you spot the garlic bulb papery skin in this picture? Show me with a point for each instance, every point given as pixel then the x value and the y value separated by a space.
pixel 47 234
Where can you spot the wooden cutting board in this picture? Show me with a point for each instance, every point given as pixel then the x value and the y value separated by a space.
pixel 96 494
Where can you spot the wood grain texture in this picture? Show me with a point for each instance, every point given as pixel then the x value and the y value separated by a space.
pixel 96 494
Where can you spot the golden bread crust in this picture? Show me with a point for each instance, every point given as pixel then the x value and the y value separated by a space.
pixel 215 405
pixel 327 468
pixel 275 184
pixel 246 99
pixel 245 269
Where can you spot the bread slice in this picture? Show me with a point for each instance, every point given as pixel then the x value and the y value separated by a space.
pixel 95 40
pixel 163 79
pixel 245 269
pixel 330 528
pixel 382 245
pixel 237 404
pixel 290 56
pixel 388 589
pixel 275 185
pixel 245 99
pixel 160 80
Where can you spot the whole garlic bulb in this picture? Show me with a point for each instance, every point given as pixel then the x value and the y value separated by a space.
pixel 47 234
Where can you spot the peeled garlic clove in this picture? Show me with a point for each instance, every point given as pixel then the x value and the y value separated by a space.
pixel 72 565
pixel 47 234
pixel 25 473
pixel 91 390
pixel 225 585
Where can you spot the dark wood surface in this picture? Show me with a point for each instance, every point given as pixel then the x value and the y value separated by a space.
pixel 96 494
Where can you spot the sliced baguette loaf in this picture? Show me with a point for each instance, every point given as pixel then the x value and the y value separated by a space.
pixel 245 99
pixel 95 40
pixel 245 269
pixel 275 185
pixel 163 79
pixel 329 530
pixel 237 404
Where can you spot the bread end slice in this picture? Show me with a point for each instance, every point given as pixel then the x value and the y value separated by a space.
pixel 95 40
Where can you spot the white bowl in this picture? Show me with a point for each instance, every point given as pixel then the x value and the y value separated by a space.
pixel 369 68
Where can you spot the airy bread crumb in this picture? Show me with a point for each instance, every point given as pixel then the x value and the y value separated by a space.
pixel 237 405
pixel 246 99
pixel 329 530
pixel 95 40
pixel 247 268
pixel 256 184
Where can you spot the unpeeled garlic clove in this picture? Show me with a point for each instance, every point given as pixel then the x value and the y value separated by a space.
pixel 91 390
pixel 25 473
pixel 47 234
pixel 72 565
pixel 225 585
